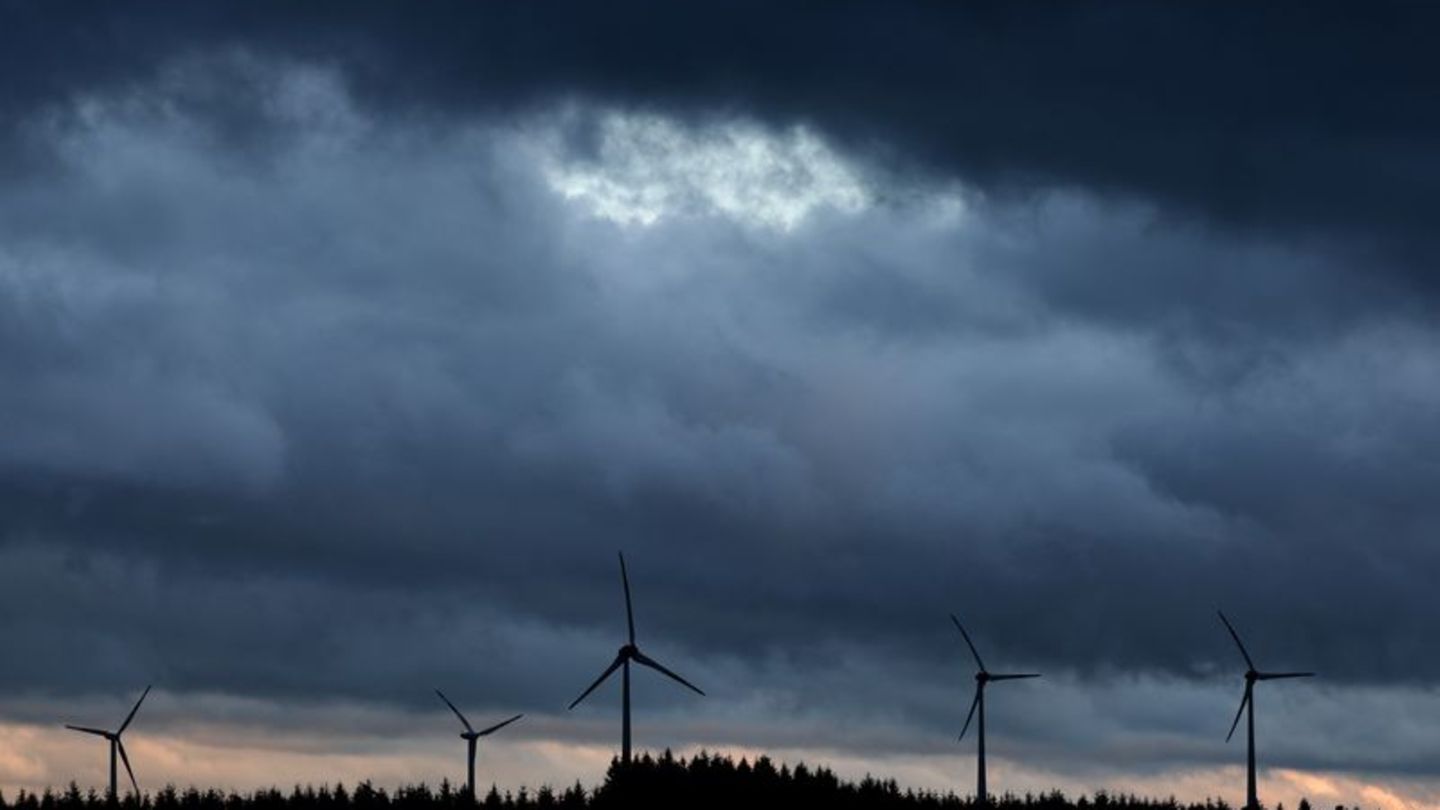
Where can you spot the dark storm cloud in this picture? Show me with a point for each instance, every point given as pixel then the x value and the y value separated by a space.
pixel 315 388
pixel 476 372
pixel 1314 121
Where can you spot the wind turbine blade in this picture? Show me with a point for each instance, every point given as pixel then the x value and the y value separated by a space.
pixel 125 759
pixel 97 731
pixel 629 612
pixel 1275 676
pixel 131 715
pixel 619 659
pixel 642 658
pixel 498 726
pixel 1238 642
pixel 1014 677
pixel 968 642
pixel 971 715
pixel 1239 712
pixel 457 711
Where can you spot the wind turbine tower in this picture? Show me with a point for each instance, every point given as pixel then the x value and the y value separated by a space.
pixel 628 653
pixel 116 746
pixel 470 735
pixel 982 678
pixel 1252 801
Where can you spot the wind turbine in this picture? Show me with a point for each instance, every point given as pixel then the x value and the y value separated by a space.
pixel 982 677
pixel 1252 802
pixel 629 653
pixel 117 745
pixel 470 735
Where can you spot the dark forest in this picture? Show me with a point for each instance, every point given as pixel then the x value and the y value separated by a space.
pixel 702 781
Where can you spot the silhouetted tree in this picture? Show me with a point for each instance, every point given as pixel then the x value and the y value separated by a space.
pixel 705 781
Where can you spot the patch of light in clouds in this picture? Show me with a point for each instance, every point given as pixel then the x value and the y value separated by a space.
pixel 647 168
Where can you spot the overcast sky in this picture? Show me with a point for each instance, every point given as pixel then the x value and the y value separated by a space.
pixel 342 347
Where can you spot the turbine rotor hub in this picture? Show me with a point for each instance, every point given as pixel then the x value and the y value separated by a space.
pixel 629 650
pixel 982 677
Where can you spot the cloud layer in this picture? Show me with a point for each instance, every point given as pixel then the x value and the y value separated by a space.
pixel 319 394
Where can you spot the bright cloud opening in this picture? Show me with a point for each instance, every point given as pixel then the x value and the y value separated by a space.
pixel 647 168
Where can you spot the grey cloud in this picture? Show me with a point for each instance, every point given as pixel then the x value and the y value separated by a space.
pixel 1303 121
pixel 374 410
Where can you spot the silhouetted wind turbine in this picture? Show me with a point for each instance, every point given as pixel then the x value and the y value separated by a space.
pixel 470 735
pixel 982 677
pixel 1252 802
pixel 116 745
pixel 629 653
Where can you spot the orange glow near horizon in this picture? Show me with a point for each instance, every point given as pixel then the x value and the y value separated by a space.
pixel 34 757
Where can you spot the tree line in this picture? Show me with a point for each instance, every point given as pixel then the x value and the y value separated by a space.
pixel 704 781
